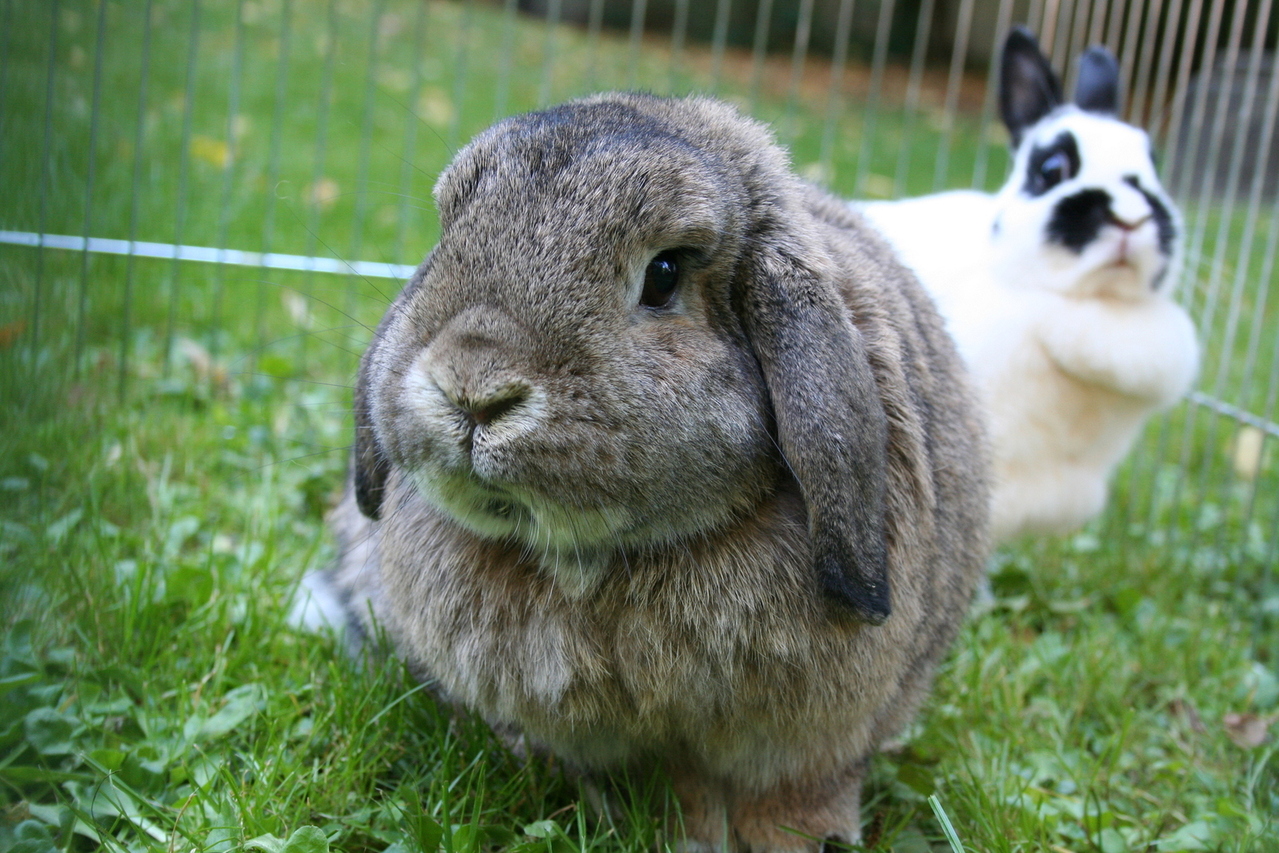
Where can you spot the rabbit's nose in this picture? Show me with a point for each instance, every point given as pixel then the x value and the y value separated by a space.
pixel 485 408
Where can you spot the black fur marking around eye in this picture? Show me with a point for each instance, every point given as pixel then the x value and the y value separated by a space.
pixel 1078 218
pixel 1052 164
pixel 1158 212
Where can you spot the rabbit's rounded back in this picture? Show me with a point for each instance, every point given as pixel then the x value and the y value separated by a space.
pixel 1083 212
pixel 663 459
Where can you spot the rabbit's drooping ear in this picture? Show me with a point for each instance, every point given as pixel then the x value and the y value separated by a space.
pixel 832 430
pixel 370 465
pixel 1098 87
pixel 368 462
pixel 1028 88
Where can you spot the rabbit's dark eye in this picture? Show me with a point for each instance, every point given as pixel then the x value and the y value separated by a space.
pixel 1054 170
pixel 660 280
pixel 1052 164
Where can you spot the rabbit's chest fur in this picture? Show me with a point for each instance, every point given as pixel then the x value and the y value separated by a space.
pixel 732 670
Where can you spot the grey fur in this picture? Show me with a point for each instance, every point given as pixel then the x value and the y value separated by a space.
pixel 728 539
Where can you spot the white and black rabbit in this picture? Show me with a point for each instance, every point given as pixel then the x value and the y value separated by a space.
pixel 663 460
pixel 1057 290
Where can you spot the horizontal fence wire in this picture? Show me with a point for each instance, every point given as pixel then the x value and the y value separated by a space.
pixel 300 139
pixel 208 255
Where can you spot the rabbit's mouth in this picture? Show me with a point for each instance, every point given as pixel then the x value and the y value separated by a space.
pixel 573 544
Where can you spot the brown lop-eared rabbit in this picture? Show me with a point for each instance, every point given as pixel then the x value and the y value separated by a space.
pixel 664 461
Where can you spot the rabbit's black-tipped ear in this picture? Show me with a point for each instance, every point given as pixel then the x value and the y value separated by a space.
pixel 1098 87
pixel 830 424
pixel 1028 88
pixel 369 466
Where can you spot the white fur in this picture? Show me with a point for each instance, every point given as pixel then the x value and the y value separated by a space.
pixel 1071 352
pixel 316 607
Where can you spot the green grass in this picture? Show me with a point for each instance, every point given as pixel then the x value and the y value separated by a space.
pixel 170 437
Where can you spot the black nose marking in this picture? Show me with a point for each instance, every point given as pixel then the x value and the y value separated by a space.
pixel 1076 219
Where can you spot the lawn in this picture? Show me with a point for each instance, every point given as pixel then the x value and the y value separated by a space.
pixel 171 435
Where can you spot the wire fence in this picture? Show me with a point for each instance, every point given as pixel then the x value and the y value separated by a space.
pixel 248 174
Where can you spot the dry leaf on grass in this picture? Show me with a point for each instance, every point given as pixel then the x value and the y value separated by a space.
pixel 1249 452
pixel 1248 731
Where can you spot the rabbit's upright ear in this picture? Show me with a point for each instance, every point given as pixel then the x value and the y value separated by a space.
pixel 1098 87
pixel 831 427
pixel 1028 88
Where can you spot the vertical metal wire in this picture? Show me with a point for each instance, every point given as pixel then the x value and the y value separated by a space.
pixel 139 143
pixel 273 153
pixel 1097 27
pixel 1132 36
pixel 1261 168
pixel 1272 385
pixel 1221 244
pixel 1146 459
pixel 1268 580
pixel 834 95
pixel 1201 218
pixel 1173 139
pixel 6 28
pixel 1068 35
pixel 1079 32
pixel 593 27
pixel 408 152
pixel 870 115
pixel 1164 73
pixel 1114 26
pixel 1048 29
pixel 503 85
pixel 1145 64
pixel 95 114
pixel 184 176
pixel 548 53
pixel 228 177
pixel 311 198
pixel 763 20
pixel 1035 16
pixel 1205 167
pixel 46 168
pixel 462 66
pixel 1235 168
pixel 638 13
pixel 719 38
pixel 366 145
pixel 803 31
pixel 1058 47
pixel 679 32
pixel 910 110
pixel 1003 22
pixel 1263 280
pixel 959 52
